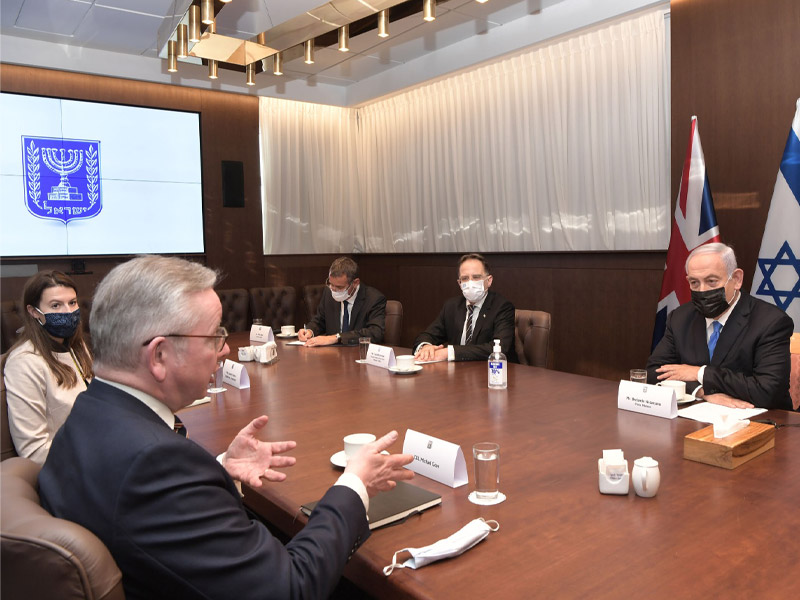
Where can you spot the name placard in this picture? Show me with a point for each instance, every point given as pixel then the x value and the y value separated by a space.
pixel 261 333
pixel 380 356
pixel 235 374
pixel 655 400
pixel 437 459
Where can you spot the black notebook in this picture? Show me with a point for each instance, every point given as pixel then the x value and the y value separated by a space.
pixel 396 504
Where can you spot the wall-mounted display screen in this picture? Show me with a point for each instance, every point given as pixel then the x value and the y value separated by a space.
pixel 86 178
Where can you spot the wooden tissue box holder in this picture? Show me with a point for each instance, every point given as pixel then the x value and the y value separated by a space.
pixel 731 451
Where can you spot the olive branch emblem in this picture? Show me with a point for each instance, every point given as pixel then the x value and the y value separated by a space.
pixel 34 186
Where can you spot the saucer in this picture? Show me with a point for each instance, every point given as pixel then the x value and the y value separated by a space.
pixel 340 459
pixel 286 335
pixel 501 497
pixel 361 362
pixel 687 398
pixel 414 369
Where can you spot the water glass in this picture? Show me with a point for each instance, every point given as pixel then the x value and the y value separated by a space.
pixel 487 470
pixel 638 376
pixel 363 346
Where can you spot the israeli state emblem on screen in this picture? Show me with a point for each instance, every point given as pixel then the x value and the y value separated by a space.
pixel 61 178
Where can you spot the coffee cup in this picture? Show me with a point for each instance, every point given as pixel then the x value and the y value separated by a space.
pixel 679 387
pixel 646 477
pixel 405 362
pixel 246 353
pixel 354 442
pixel 287 329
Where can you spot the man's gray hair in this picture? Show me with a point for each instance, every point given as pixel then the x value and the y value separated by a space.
pixel 725 252
pixel 141 299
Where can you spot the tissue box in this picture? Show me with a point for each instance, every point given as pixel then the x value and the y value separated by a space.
pixel 731 451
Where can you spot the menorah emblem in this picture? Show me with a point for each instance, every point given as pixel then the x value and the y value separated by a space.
pixel 66 200
pixel 63 166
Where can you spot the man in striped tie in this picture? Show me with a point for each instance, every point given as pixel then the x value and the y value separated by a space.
pixel 732 345
pixel 467 324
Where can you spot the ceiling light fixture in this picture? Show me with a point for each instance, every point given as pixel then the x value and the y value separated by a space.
pixel 344 38
pixel 172 60
pixel 207 11
pixel 194 23
pixel 277 63
pixel 213 69
pixel 183 41
pixel 429 10
pixel 251 73
pixel 479 1
pixel 308 52
pixel 383 23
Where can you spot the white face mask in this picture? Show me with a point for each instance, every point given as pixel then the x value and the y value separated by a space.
pixel 458 543
pixel 343 295
pixel 473 291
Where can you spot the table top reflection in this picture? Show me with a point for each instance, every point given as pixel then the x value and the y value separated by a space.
pixel 708 531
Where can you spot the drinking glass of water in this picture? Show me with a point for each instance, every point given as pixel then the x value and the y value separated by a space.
pixel 487 470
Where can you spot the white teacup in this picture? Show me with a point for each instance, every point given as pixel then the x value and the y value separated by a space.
pixel 287 329
pixel 678 386
pixel 246 353
pixel 405 362
pixel 646 477
pixel 354 442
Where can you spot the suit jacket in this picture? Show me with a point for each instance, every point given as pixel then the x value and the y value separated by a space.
pixel 171 516
pixel 495 321
pixel 368 317
pixel 751 359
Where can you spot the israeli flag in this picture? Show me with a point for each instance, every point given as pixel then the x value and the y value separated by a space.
pixel 777 276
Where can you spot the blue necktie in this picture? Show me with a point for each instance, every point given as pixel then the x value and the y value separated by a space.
pixel 345 318
pixel 712 341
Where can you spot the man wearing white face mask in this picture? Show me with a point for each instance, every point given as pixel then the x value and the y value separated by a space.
pixel 467 324
pixel 348 310
pixel 733 346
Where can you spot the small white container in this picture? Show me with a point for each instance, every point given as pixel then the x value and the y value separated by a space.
pixel 614 483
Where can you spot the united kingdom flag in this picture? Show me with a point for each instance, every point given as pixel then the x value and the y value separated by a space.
pixel 695 224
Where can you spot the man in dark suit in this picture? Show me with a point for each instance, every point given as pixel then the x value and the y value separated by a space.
pixel 734 346
pixel 166 509
pixel 347 311
pixel 468 324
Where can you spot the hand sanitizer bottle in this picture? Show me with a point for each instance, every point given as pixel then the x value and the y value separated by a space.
pixel 498 369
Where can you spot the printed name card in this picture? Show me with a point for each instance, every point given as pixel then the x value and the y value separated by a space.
pixel 261 333
pixel 437 459
pixel 380 356
pixel 235 374
pixel 653 400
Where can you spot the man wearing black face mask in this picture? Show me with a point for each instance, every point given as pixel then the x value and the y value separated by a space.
pixel 734 346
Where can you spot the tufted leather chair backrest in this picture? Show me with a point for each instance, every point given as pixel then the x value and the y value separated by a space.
pixel 394 323
pixel 7 449
pixel 235 309
pixel 45 557
pixel 312 296
pixel 10 323
pixel 275 305
pixel 532 337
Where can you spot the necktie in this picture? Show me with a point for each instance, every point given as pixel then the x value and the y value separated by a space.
pixel 712 341
pixel 345 318
pixel 468 337
pixel 179 427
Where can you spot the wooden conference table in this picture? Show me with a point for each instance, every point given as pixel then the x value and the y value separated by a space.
pixel 708 532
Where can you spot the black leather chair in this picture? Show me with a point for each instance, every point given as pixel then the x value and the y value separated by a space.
pixel 275 305
pixel 235 309
pixel 10 323
pixel 312 296
pixel 394 323
pixel 46 557
pixel 532 337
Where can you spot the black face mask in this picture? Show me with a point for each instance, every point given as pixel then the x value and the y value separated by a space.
pixel 61 325
pixel 711 303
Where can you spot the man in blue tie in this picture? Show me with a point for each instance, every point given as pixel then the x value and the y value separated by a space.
pixel 733 346
pixel 348 310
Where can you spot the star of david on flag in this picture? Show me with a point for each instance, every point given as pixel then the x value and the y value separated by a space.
pixel 777 276
pixel 695 224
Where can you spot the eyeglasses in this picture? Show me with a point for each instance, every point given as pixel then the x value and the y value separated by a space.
pixel 221 337
pixel 334 288
pixel 475 277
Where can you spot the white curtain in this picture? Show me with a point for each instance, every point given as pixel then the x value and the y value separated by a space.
pixel 563 147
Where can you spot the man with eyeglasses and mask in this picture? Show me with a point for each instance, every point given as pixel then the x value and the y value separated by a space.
pixel 734 346
pixel 347 311
pixel 468 324
pixel 123 467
